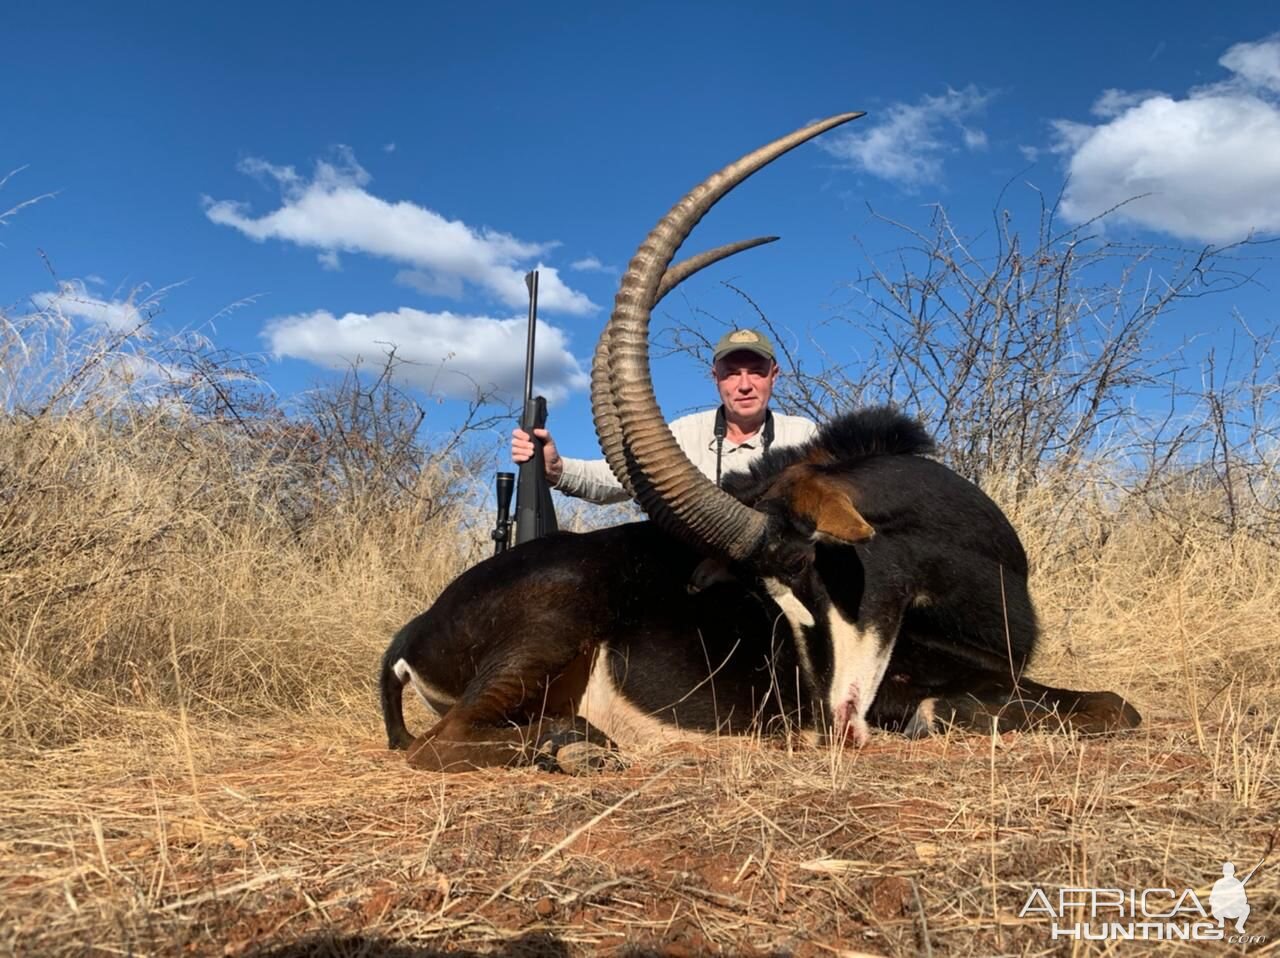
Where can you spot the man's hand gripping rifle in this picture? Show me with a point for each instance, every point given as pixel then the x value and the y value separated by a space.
pixel 535 512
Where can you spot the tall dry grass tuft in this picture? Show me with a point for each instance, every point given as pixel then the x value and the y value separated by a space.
pixel 1170 613
pixel 150 488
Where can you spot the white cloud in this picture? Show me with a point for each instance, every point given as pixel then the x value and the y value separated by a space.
pixel 260 169
pixel 446 353
pixel 1113 102
pixel 1069 135
pixel 1256 64
pixel 1211 160
pixel 388 148
pixel 432 284
pixel 330 260
pixel 589 264
pixel 907 147
pixel 73 300
pixel 333 212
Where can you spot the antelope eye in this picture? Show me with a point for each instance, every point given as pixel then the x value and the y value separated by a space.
pixel 796 559
pixel 806 527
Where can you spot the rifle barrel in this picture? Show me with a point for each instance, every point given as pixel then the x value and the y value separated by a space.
pixel 531 281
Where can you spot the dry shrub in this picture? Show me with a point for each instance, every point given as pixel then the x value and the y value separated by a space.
pixel 164 524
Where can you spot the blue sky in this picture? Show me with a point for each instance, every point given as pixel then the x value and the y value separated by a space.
pixel 358 178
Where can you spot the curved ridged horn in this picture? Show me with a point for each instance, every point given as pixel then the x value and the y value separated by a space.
pixel 603 411
pixel 666 484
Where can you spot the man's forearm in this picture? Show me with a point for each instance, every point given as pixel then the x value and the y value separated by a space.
pixel 590 479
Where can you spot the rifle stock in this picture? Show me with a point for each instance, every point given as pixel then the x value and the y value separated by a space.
pixel 535 512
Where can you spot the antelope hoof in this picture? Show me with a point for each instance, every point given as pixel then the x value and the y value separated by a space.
pixel 587 758
pixel 1100 712
pixel 923 720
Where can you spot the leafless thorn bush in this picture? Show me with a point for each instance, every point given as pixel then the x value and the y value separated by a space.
pixel 1037 362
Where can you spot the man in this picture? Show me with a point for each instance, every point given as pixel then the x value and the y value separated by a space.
pixel 717 441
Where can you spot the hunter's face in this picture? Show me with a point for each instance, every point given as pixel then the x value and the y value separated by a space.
pixel 745 382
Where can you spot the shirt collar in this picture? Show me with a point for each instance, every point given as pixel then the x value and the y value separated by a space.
pixel 729 445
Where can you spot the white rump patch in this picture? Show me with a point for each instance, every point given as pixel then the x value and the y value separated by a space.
pixel 434 697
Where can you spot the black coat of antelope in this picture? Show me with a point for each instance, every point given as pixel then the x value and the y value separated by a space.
pixel 847 583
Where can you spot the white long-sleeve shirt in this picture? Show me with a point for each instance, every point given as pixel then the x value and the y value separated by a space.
pixel 592 479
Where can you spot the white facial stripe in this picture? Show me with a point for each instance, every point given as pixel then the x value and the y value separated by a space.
pixel 799 618
pixel 791 607
pixel 860 658
pixel 435 698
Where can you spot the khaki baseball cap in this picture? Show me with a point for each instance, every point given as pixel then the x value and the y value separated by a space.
pixel 743 340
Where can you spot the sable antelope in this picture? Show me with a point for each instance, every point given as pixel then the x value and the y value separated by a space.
pixel 844 583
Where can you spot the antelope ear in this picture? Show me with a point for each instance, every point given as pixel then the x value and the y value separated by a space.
pixel 828 507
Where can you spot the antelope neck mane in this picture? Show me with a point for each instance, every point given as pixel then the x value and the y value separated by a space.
pixel 840 444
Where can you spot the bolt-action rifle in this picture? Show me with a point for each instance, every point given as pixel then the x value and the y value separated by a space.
pixel 535 512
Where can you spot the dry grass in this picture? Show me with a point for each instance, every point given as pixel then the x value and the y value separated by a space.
pixel 191 613
pixel 305 837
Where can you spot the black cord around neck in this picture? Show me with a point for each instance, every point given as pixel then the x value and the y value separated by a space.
pixel 722 429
